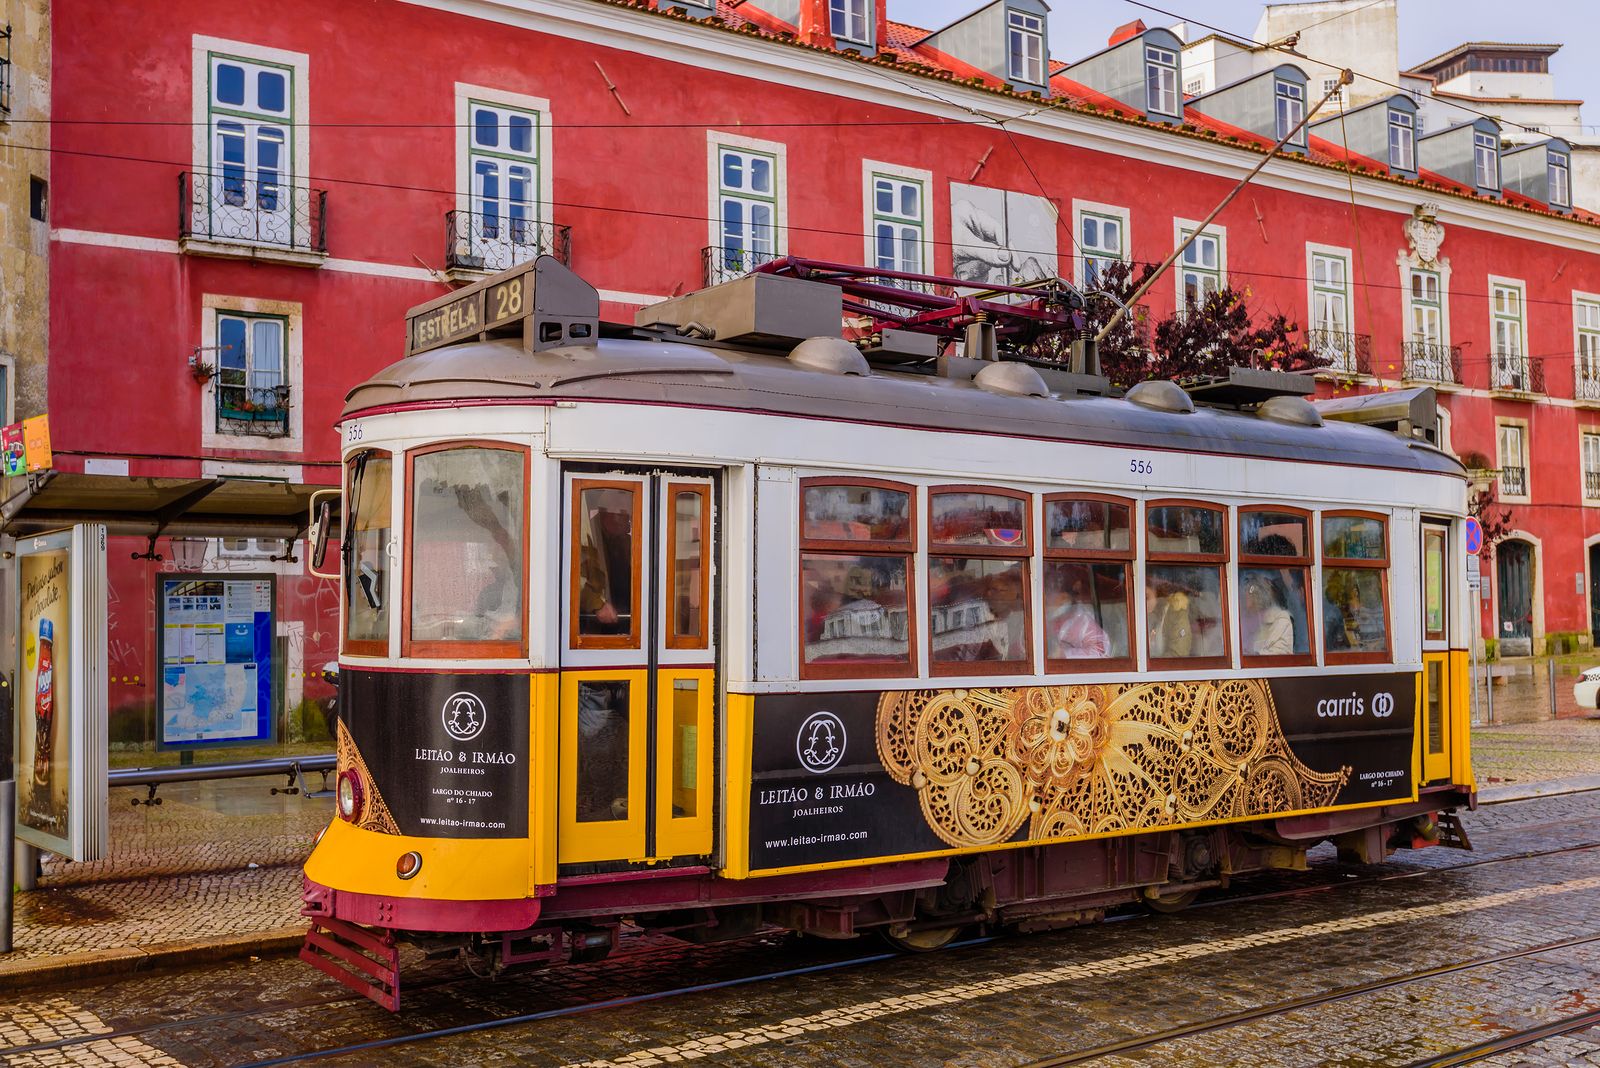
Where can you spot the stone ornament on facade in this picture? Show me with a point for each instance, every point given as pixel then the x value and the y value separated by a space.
pixel 1425 233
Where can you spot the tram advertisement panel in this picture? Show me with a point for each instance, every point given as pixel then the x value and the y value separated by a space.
pixel 458 769
pixel 856 775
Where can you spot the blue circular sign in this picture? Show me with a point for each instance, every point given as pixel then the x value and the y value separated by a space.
pixel 1474 536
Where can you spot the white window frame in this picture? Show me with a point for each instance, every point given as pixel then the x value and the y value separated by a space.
pixel 1182 228
pixel 716 141
pixel 1404 124
pixel 846 11
pixel 1503 461
pixel 211 306
pixel 871 171
pixel 1082 208
pixel 1557 163
pixel 1161 67
pixel 1332 86
pixel 1485 146
pixel 297 123
pixel 1194 87
pixel 1028 27
pixel 1437 304
pixel 466 95
pixel 1588 442
pixel 1585 346
pixel 1290 96
pixel 1520 336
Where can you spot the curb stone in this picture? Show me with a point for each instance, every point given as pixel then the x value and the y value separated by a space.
pixel 124 960
pixel 1523 791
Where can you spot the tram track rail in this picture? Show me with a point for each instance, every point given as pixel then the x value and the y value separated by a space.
pixel 512 1020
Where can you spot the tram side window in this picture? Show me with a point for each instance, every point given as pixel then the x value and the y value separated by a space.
pixel 1355 588
pixel 605 587
pixel 369 528
pixel 856 546
pixel 1275 586
pixel 1186 549
pixel 468 551
pixel 1087 607
pixel 978 549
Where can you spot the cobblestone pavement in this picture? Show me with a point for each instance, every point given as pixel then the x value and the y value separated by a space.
pixel 1533 752
pixel 1002 1002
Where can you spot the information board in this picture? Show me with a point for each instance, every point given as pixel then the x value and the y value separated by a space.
pixel 216 660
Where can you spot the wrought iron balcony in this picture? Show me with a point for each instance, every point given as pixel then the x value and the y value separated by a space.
pixel 1591 485
pixel 238 207
pixel 5 70
pixel 723 264
pixel 1345 353
pixel 479 241
pixel 1586 387
pixel 257 411
pixel 1514 372
pixel 1429 361
pixel 1513 482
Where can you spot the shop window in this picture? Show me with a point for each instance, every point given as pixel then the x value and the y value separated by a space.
pixel 856 549
pixel 466 551
pixel 978 614
pixel 1355 589
pixel 1088 606
pixel 1186 551
pixel 369 526
pixel 1275 587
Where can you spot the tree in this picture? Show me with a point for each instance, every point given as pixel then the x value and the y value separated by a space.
pixel 1201 342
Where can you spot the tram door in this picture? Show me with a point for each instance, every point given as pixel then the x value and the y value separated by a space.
pixel 638 679
pixel 1436 608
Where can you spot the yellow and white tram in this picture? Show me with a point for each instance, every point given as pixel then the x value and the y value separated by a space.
pixel 711 622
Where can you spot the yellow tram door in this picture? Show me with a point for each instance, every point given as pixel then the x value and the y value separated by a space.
pixel 1437 605
pixel 638 680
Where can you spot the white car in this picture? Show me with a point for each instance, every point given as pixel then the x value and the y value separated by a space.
pixel 1586 691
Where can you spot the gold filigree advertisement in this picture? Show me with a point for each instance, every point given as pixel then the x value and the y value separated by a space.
pixel 375 815
pixel 1076 760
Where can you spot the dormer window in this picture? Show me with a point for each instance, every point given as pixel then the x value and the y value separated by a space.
pixel 1025 44
pixel 1560 187
pixel 1161 80
pixel 1402 142
pixel 1291 110
pixel 851 20
pixel 1486 160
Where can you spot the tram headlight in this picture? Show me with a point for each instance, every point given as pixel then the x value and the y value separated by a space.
pixel 408 865
pixel 349 794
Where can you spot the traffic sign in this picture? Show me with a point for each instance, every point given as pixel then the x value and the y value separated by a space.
pixel 1474 536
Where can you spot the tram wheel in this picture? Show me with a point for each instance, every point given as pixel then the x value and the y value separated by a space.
pixel 922 940
pixel 1167 904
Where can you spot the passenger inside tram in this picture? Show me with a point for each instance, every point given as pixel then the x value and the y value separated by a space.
pixel 1073 629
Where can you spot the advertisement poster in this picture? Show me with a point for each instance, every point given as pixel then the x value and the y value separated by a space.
pixel 1000 237
pixel 44 759
pixel 13 451
pixel 60 740
pixel 36 442
pixel 847 776
pixel 216 660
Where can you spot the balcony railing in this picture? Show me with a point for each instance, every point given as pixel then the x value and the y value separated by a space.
pixel 723 264
pixel 1513 481
pixel 1429 361
pixel 1514 372
pixel 1591 485
pixel 5 70
pixel 475 241
pixel 257 411
pixel 1586 387
pixel 1345 353
pixel 230 207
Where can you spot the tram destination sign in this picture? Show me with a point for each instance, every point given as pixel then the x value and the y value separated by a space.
pixel 490 306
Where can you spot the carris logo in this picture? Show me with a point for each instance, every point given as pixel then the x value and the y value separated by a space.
pixel 1382 704
pixel 464 715
pixel 820 742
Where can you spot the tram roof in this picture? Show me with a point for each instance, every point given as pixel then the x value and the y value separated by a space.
pixel 643 370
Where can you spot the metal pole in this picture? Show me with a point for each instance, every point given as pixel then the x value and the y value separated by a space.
pixel 1488 687
pixel 1472 676
pixel 1552 663
pixel 1345 78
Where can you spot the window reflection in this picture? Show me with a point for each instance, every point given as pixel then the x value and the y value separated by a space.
pixel 1086 611
pixel 1353 610
pixel 1274 613
pixel 1272 534
pixel 856 513
pixel 977 610
pixel 1352 537
pixel 855 608
pixel 688 578
pixel 603 736
pixel 1085 525
pixel 1183 611
pixel 366 578
pixel 978 519
pixel 606 552
pixel 467 545
pixel 1184 529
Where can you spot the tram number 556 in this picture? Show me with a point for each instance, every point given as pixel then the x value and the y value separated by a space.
pixel 1141 467
pixel 506 300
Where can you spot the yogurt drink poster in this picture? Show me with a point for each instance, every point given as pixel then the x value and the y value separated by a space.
pixel 44 756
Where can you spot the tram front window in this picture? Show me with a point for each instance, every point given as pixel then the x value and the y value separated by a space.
pixel 467 546
pixel 366 593
pixel 607 559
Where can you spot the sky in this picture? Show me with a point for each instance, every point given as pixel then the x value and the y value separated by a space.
pixel 1427 27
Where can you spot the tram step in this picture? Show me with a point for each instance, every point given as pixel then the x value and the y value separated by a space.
pixel 363 960
pixel 1451 832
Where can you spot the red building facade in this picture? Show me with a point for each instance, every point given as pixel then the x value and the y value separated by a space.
pixel 248 196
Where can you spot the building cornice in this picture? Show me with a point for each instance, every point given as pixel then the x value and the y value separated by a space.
pixel 702 44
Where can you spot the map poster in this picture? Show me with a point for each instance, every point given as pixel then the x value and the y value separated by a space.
pixel 216 660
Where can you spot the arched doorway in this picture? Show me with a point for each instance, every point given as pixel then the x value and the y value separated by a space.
pixel 1594 594
pixel 1514 575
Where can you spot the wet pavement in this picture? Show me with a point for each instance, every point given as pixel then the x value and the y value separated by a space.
pixel 1208 986
pixel 1521 690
